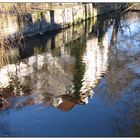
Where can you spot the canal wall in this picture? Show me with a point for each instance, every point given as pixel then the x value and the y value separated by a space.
pixel 39 21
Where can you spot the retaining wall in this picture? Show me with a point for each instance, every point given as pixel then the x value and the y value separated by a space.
pixel 50 20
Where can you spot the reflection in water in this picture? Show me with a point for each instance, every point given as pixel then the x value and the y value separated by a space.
pixel 41 76
pixel 46 77
pixel 65 69
pixel 95 60
pixel 4 124
pixel 124 70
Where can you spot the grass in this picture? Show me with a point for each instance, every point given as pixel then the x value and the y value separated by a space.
pixel 6 50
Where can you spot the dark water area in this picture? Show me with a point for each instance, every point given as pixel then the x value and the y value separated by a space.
pixel 81 82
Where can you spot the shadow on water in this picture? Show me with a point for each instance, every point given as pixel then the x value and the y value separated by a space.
pixel 68 68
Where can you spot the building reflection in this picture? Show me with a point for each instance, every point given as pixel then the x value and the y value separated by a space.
pixel 50 79
pixel 95 59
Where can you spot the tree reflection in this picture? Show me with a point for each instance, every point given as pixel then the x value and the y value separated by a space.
pixel 123 72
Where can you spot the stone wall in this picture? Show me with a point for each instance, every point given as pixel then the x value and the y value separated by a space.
pixel 50 20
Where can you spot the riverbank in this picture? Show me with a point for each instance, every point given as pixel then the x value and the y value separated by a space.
pixel 48 20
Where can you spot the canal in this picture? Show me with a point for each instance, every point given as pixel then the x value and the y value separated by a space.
pixel 83 81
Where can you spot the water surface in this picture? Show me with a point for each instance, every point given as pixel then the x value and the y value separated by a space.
pixel 81 82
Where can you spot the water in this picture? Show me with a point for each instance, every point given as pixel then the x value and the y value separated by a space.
pixel 81 82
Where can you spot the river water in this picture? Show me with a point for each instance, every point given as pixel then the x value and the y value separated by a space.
pixel 81 82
